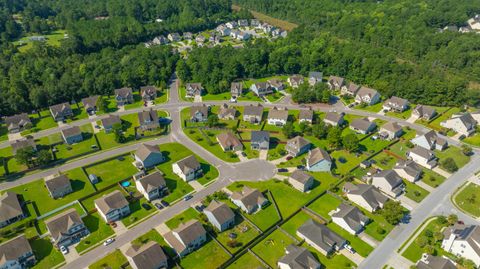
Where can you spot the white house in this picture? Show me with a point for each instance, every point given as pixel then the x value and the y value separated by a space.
pixel 463 124
pixel 187 168
pixel 367 96
pixel 298 257
pixel 365 195
pixel 350 218
pixel 389 182
pixel 220 215
pixel 187 237
pixel 112 206
pixel 463 241
pixel 408 170
pixel 249 200
pixel 277 116
pixel 430 140
pixel 423 157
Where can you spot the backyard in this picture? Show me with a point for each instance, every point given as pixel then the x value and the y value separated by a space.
pixel 122 165
pixel 47 256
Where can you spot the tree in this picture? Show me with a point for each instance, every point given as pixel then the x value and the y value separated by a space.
pixel 304 128
pixel 450 165
pixel 429 249
pixel 118 132
pixel 421 241
pixel 288 129
pixel 467 150
pixel 102 104
pixel 44 157
pixel 350 142
pixel 320 130
pixel 212 120
pixel 334 137
pixel 25 155
pixel 438 236
pixel 452 219
pixel 392 212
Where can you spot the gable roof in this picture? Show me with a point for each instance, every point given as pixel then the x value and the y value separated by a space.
pixel 354 218
pixel 221 211
pixel 296 79
pixel 352 88
pixel 397 101
pixel 236 86
pixel 228 139
pixel 297 143
pixel 315 74
pixel 321 235
pixel 365 91
pixel 305 114
pixel 468 233
pixel 9 206
pixel 148 90
pixel 226 111
pixel 410 167
pixel 90 102
pixel 123 92
pixel 188 164
pixel 198 109
pixel 23 143
pixel 422 152
pixel 316 155
pixel 17 120
pixel 59 108
pixel 300 176
pixel 152 181
pixel 275 82
pixel 62 223
pixel 249 197
pixel 71 131
pixel 147 116
pixel 299 258
pixel 195 86
pixel 111 120
pixel 467 120
pixel 280 114
pixel 432 138
pixel 260 137
pixel 390 176
pixel 56 182
pixel 422 110
pixel 336 80
pixel 144 151
pixel 190 231
pixel 252 110
pixel 435 262
pixel 334 116
pixel 111 201
pixel 392 126
pixel 368 192
pixel 147 256
pixel 14 249
pixel 362 124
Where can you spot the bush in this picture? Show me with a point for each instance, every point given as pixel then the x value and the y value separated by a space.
pixel 380 230
pixel 441 220
pixel 421 241
pixel 428 233
pixel 450 165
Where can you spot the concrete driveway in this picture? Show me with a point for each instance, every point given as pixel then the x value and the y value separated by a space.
pixel 14 136
pixel 72 254
pixel 263 154
pixel 356 258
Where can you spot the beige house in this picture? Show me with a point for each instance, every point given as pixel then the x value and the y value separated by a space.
pixel 113 206
pixel 187 237
pixel 229 142
pixel 249 200
pixel 16 253
pixel 365 195
pixel 147 256
pixel 66 228
pixel 301 181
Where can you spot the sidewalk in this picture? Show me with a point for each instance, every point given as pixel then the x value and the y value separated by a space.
pixel 425 186
pixel 407 202
pixel 441 172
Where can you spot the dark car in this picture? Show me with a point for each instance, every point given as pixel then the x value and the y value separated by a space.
pixel 158 205
pixel 300 167
pixel 188 197
pixel 164 203
pixel 289 158
pixel 146 206
pixel 282 170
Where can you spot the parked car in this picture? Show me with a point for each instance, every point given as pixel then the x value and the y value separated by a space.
pixel 289 158
pixel 350 249
pixel 244 154
pixel 159 206
pixel 282 170
pixel 300 167
pixel 164 203
pixel 113 224
pixel 188 197
pixel 108 241
pixel 64 250
pixel 146 206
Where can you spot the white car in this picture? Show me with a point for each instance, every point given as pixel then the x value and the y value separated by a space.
pixel 109 241
pixel 350 249
pixel 64 250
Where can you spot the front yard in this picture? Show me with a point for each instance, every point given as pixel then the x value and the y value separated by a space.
pixel 414 192
pixel 467 199
pixel 99 231
pixel 113 260
pixel 272 248
pixel 122 165
pixel 47 256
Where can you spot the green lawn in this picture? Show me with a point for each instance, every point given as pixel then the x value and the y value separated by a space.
pixel 374 108
pixel 266 217
pixel 362 248
pixel 272 248
pixel 209 142
pixel 113 260
pixel 65 151
pixel 415 192
pixel 247 260
pixel 12 165
pixel 137 102
pixel 183 217
pixel 47 256
pixel 244 231
pixel 210 255
pixel 402 115
pixel 473 140
pixel 122 165
pixel 368 146
pixel 99 231
pixel 21 226
pixel 384 160
pixel 345 161
pixel 431 178
pixel 435 124
pixel 325 204
pixel 153 235
pixel 454 153
pixel 3 133
pixel 378 228
pixel 42 122
pixel 89 202
pixel 467 199
pixel 138 212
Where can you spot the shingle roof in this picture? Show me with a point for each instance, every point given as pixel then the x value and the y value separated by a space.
pixel 260 136
pixel 252 110
pixel 371 194
pixel 422 110
pixel 422 152
pixel 236 87
pixel 14 249
pixel 190 231
pixel 148 116
pixel 321 235
pixel 392 127
pixel 336 80
pixel 9 206
pixel 299 258
pixel 300 176
pixel 123 92
pixel 280 114
pixel 249 197
pixel 71 131
pixel 188 164
pixel 111 120
pixel 202 109
pixel 144 150
pixel 361 124
pixel 20 144
pixel 147 256
pixel 333 116
pixel 226 111
pixel 111 201
pixel 261 85
pixel 353 88
pixel 221 211
pixel 152 181
pixel 410 167
pixel 397 101
pixel 56 182
pixel 90 102
pixel 435 262
pixel 228 139
pixel 62 223
pixel 316 155
pixel 297 143
pixel 59 108
pixel 148 90
pixel 17 120
pixel 470 234
pixel 296 79
pixel 392 178
pixel 364 91
pixel 354 218
pixel 315 74
pixel 305 114
pixel 194 86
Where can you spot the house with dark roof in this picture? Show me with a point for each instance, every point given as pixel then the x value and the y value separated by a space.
pixel 423 157
pixel 276 84
pixel 350 218
pixel 305 115
pixel 66 228
pixel 335 83
pixel 109 121
pixel 298 258
pixel 187 237
pixel 220 215
pixel 58 185
pixel 188 168
pixel 463 124
pixel 249 200
pixel 90 104
pixel 389 182
pixel 152 186
pixel 17 253
pixel 424 112
pixel 193 89
pixel 123 96
pixel 61 111
pixel 148 155
pixel 11 210
pixel 147 256
pixel 148 93
pixel 229 142
pixel 367 96
pixel 236 89
pixel 295 81
pixel 435 262
pixel 318 160
pixel 390 130
pixel 199 113
pixel 362 125
pixel 18 123
pixel 408 170
pixel 320 237
pixel 301 180
pixel 297 146
pixel 463 241
pixel 430 140
pixel 174 37
pixel 112 206
pixel 148 120
pixel 28 142
pixel 253 114
pixel 396 104
pixel 227 113
pixel 260 140
pixel 365 195
pixel 261 88
pixel 351 89
pixel 277 117
pixel 334 118
pixel 72 135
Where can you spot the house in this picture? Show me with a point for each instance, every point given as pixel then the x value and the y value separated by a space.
pixel 236 89
pixel 391 130
pixel 187 36
pixel 350 218
pixel 305 115
pixel 66 228
pixel 408 170
pixel 260 140
pixel 90 104
pixel 220 215
pixel 160 40
pixel 187 237
pixel 320 237
pixel 297 146
pixel 430 140
pixel 295 81
pixel 423 157
pixel 148 155
pixel 253 114
pixel 174 37
pixel 319 160
pixel 396 104
pixel 424 112
pixel 188 168
pixel 276 84
pixel 16 253
pixel 365 195
pixel 242 23
pixel 267 28
pixel 18 123
pixel 58 185
pixel 463 124
pixel 223 30
pixel 113 206
pixel 109 121
pixel 201 38
pixel 148 93
pixel 254 22
pixel 147 256
pixel 435 262
pixel 249 200
pixel 389 182
pixel 193 89
pixel 301 181
pixel 351 89
pixel 297 258
pixel 227 113
pixel 463 241
pixel 335 83
pixel 362 125
pixel 72 135
pixel 10 209
pixel 242 36
pixel 229 142
pixel 367 96
pixel 277 116
pixel 231 24
pixel 199 113
pixel 61 112
pixel 148 120
pixel 152 186
pixel 314 78
pixel 123 96
pixel 28 142
pixel 261 88
pixel 334 118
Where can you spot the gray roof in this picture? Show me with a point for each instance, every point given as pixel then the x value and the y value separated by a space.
pixel 315 74
pixel 9 206
pixel 260 136
pixel 371 194
pixel 432 138
pixel 71 131
pixel 56 182
pixel 62 223
pixel 422 110
pixel 365 91
pixel 300 176
pixel 148 91
pixel 470 234
pixel 144 151
pixel 228 139
pixel 410 167
pixel 188 164
pixel 23 143
pixel 422 152
pixel 236 87
pixel 334 117
pixel 249 197
pixel 297 143
pixel 111 201
pixel 14 249
pixel 221 211
pixel 261 85
pixel 17 120
pixel 190 231
pixel 59 108
pixel 111 120
pixel 90 102
pixel 299 258
pixel 148 116
pixel 435 262
pixel 468 120
pixel 353 88
pixel 305 114
pixel 336 80
pixel 321 235
pixel 392 178
pixel 392 126
pixel 195 86
pixel 152 181
pixel 275 113
pixel 226 111
pixel 316 155
pixel 397 101
pixel 147 256
pixel 252 110
pixel 361 124
pixel 296 79
pixel 123 92
pixel 354 218
pixel 202 109
pixel 275 82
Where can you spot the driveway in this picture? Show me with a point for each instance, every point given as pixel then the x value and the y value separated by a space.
pixel 240 156
pixel 263 154
pixel 195 185
pixel 72 254
pixel 441 172
pixel 412 118
pixel 280 160
pixel 356 258
pixel 120 229
pixel 14 136
pixel 162 229
pixel 198 99
pixel 407 203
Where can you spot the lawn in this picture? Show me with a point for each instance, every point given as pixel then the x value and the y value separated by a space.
pixel 374 108
pixel 153 235
pixel 368 146
pixel 3 133
pixel 247 260
pixel 137 102
pixel 435 124
pixel 122 165
pixel 113 260
pixel 52 39
pixel 244 231
pixel 138 212
pixel 362 248
pixel 378 228
pixel 384 160
pixel 88 203
pixel 99 231
pixel 210 255
pixel 266 217
pixel 454 153
pixel 414 192
pixel 65 151
pixel 472 140
pixel 47 256
pixel 12 165
pixel 345 161
pixel 42 122
pixel 209 142
pixel 183 217
pixel 325 204
pixel 467 199
pixel 402 115
pixel 272 248
pixel 431 178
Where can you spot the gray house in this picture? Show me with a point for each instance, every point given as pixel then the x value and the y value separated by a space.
pixel 66 228
pixel 297 146
pixel 123 96
pixel 148 155
pixel 147 256
pixel 305 115
pixel 90 104
pixel 17 253
pixel 334 119
pixel 61 112
pixel 187 237
pixel 389 182
pixel 199 113
pixel 58 185
pixel 298 258
pixel 72 135
pixel 220 215
pixel 362 125
pixel 113 206
pixel 261 88
pixel 236 89
pixel 148 120
pixel 148 93
pixel 18 123
pixel 335 83
pixel 260 140
pixel 318 160
pixel 424 112
pixel 249 200
pixel 253 114
pixel 320 237
pixel 188 168
pixel 365 195
pixel 10 209
pixel 301 181
pixel 395 103
pixel 109 121
pixel 193 89
pixel 152 186
pixel 350 218
pixel 431 141
pixel 391 130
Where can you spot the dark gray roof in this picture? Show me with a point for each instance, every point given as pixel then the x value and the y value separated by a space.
pixel 422 110
pixel 59 108
pixel 321 235
pixel 196 109
pixel 195 86
pixel 435 262
pixel 111 120
pixel 361 124
pixel 123 92
pixel 221 211
pixel 392 178
pixel 470 234
pixel 371 194
pixel 468 120
pixel 188 164
pixel 71 131
pixel 14 249
pixel 300 176
pixel 9 206
pixel 280 114
pixel 17 120
pixel 297 143
pixel 299 258
pixel 111 201
pixel 260 136
pixel 354 218
pixel 152 181
pixel 422 152
pixel 334 117
pixel 148 116
pixel 56 182
pixel 20 144
pixel 147 256
pixel 410 167
pixel 62 223
pixel 148 90
pixel 90 102
pixel 252 110
pixel 144 150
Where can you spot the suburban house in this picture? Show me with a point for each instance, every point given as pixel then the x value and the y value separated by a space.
pixel 297 146
pixel 314 78
pixel 231 24
pixel 148 155
pixel 148 120
pixel 389 182
pixel 463 124
pixel 200 39
pixel 277 116
pixel 188 168
pixel 435 262
pixel 430 140
pixel 350 218
pixel 109 121
pixel 295 81
pixel 396 104
pixel 297 257
pixel 10 209
pixel 17 253
pixel 365 195
pixel 335 83
pixel 423 157
pixel 220 215
pixel 318 160
pixel 367 96
pixel 66 228
pixel 193 89
pixel 187 237
pixel 229 142
pixel 362 125
pixel 174 37
pixel 241 35
pixel 391 130
pixel 253 114
pixel 249 200
pixel 187 36
pixel 148 93
pixel 301 181
pixel 147 256
pixel 123 96
pixel 463 241
pixel 227 113
pixel 260 140
pixel 223 30
pixel 242 23
pixel 72 135
pixel 261 88
pixel 254 22
pixel 90 104
pixel 351 89
pixel 305 115
pixel 199 113
pixel 152 186
pixel 334 118
pixel 61 112
pixel 58 185
pixel 276 84
pixel 22 144
pixel 320 237
pixel 236 89
pixel 113 206
pixel 424 112
pixel 408 170
pixel 18 123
